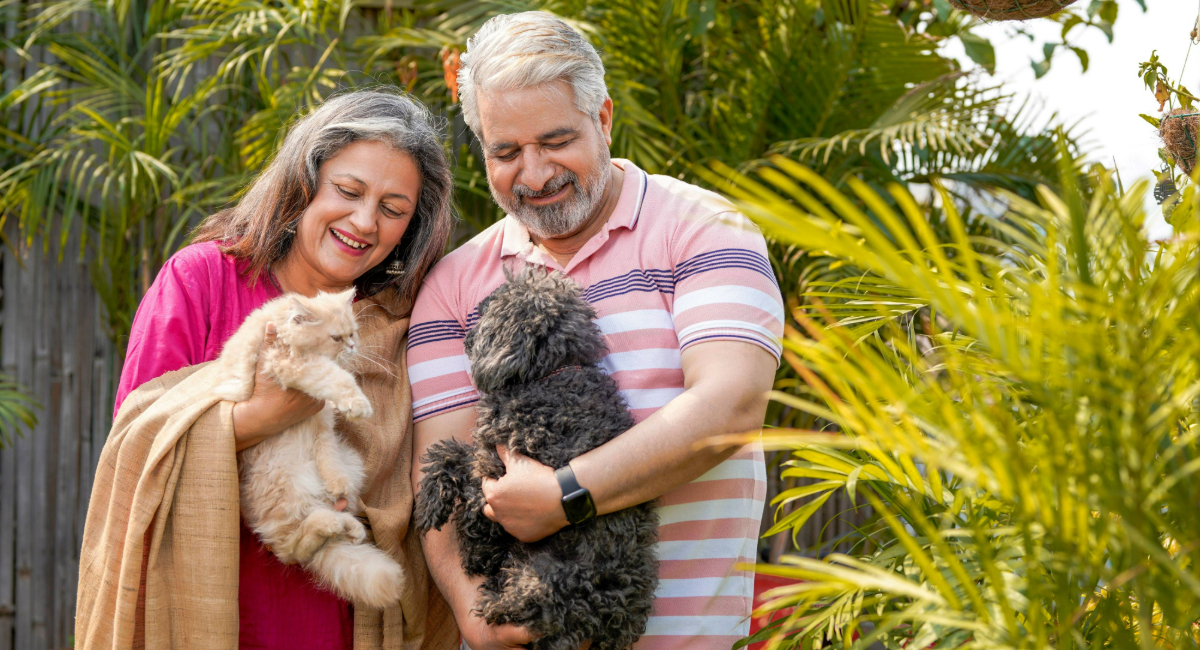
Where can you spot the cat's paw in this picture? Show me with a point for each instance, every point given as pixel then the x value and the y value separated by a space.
pixel 338 486
pixel 354 530
pixel 356 407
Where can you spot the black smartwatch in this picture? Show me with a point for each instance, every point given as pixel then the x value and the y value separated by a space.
pixel 577 501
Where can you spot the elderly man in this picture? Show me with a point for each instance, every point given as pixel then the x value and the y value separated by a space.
pixel 689 308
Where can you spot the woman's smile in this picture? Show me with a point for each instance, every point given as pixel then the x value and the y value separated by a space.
pixel 348 243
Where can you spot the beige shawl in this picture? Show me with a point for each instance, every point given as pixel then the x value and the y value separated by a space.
pixel 168 479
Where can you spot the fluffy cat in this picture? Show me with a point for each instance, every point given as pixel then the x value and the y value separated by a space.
pixel 290 481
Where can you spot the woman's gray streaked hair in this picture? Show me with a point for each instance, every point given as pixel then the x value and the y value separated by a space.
pixel 522 50
pixel 257 228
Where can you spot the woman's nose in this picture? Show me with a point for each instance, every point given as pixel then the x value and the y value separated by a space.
pixel 363 219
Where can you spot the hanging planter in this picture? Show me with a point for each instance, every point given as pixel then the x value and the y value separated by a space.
pixel 1178 130
pixel 1012 9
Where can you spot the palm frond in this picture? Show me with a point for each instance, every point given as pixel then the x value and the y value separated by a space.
pixel 994 373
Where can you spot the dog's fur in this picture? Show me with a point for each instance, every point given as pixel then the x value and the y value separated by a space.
pixel 592 582
pixel 290 481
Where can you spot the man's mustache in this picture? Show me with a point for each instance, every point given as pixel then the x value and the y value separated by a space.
pixel 553 185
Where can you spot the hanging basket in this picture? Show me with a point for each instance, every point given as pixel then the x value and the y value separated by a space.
pixel 1012 9
pixel 1178 130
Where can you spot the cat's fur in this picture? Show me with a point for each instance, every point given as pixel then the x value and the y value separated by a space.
pixel 290 481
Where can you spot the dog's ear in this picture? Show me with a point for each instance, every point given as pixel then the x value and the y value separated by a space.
pixel 501 352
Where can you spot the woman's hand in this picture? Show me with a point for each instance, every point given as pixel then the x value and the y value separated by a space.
pixel 270 409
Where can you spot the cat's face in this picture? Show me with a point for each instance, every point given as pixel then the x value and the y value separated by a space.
pixel 322 325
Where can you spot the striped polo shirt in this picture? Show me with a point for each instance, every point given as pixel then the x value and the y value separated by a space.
pixel 674 266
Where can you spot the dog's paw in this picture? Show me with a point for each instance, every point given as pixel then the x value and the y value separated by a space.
pixel 356 408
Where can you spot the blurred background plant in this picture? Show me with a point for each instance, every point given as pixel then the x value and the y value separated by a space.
pixel 128 121
pixel 18 410
pixel 135 119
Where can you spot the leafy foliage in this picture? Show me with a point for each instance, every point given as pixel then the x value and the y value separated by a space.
pixel 17 410
pixel 144 117
pixel 1021 411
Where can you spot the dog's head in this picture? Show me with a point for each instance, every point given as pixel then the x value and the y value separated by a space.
pixel 533 324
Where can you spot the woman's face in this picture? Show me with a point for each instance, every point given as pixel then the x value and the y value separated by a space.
pixel 365 200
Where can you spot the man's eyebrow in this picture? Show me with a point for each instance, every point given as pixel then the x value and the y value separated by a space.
pixel 549 135
pixel 557 133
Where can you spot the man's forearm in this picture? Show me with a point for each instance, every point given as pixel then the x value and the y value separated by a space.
pixel 727 393
pixel 442 557
pixel 666 449
pixel 661 453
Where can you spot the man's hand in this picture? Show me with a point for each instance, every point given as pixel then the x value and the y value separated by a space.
pixel 526 501
pixel 481 636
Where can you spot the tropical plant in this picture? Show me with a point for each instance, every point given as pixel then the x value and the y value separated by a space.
pixel 17 410
pixel 1020 410
pixel 108 142
pixel 139 118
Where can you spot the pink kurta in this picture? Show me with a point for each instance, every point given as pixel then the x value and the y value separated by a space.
pixel 196 303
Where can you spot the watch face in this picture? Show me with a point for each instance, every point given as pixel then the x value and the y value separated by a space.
pixel 578 506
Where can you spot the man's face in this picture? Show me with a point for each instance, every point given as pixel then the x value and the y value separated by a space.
pixel 547 162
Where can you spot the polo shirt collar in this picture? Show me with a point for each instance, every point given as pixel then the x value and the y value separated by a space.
pixel 625 214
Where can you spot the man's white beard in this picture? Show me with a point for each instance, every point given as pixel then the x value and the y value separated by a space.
pixel 566 216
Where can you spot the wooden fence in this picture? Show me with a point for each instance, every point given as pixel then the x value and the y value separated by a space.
pixel 53 342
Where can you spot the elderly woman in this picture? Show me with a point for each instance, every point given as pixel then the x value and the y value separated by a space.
pixel 358 195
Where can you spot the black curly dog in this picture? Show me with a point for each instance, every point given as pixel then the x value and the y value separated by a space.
pixel 533 357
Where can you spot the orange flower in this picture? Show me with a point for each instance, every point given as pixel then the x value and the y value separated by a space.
pixel 406 70
pixel 451 62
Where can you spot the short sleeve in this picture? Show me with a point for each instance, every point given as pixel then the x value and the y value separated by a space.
pixel 725 288
pixel 437 364
pixel 170 328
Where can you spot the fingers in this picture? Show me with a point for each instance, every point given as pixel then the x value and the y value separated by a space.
pixel 513 636
pixel 269 334
pixel 488 487
pixel 504 454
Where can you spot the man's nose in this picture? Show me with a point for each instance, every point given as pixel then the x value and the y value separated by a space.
pixel 536 171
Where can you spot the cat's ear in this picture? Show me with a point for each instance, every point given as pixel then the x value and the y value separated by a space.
pixel 348 294
pixel 301 313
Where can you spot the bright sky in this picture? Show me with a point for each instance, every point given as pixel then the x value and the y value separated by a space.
pixel 1109 96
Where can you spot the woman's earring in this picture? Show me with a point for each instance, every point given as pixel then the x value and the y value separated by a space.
pixel 291 228
pixel 395 269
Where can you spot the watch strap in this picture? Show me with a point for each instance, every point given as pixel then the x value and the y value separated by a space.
pixel 577 501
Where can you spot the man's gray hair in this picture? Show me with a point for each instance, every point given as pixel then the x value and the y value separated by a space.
pixel 524 50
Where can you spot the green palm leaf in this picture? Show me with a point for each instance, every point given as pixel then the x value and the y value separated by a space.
pixel 1028 409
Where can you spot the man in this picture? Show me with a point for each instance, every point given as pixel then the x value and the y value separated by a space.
pixel 689 308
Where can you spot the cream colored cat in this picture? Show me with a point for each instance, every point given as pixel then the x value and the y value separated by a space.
pixel 290 481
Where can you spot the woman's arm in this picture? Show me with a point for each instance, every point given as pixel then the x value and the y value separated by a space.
pixel 169 328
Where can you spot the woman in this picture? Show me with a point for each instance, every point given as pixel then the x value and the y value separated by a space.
pixel 358 195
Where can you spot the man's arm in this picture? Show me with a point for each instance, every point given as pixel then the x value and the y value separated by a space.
pixel 725 391
pixel 441 546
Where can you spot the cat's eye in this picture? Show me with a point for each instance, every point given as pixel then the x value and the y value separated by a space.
pixel 338 338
